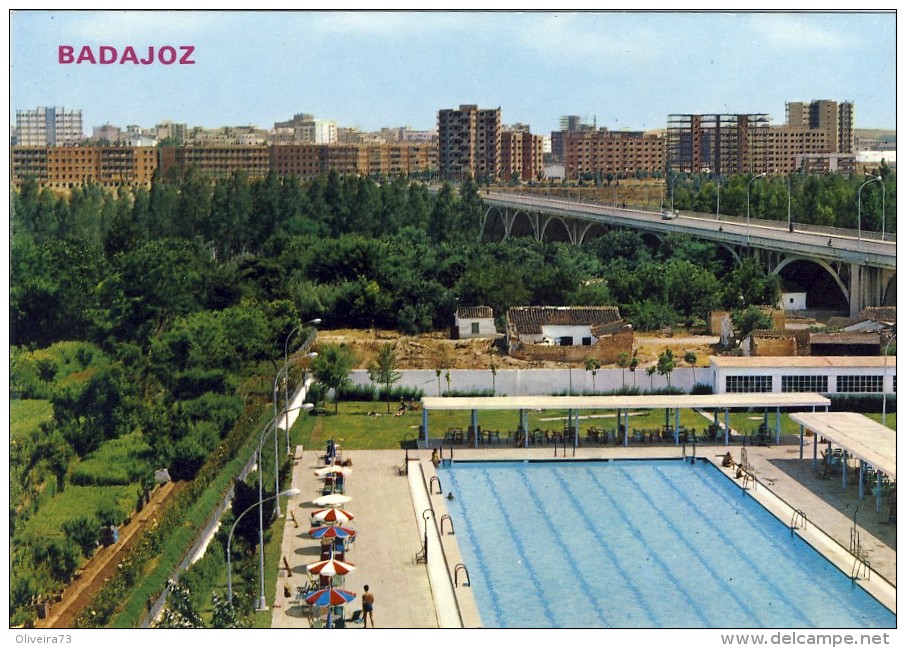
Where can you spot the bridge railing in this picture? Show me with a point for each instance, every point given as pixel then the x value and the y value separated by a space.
pixel 574 196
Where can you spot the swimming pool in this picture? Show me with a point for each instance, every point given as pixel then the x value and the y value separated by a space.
pixel 638 544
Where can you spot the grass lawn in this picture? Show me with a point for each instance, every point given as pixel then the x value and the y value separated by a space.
pixel 367 426
pixel 26 415
pixel 82 501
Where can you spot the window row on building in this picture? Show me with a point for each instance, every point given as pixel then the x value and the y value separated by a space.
pixel 804 374
pixel 806 384
pixel 66 167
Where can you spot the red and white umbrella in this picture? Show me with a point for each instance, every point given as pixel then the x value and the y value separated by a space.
pixel 332 515
pixel 331 567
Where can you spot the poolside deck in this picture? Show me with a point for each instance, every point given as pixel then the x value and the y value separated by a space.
pixel 391 528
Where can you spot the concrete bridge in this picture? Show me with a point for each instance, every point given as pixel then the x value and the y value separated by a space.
pixel 861 264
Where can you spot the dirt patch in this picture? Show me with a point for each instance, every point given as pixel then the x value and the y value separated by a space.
pixel 431 351
pixel 104 564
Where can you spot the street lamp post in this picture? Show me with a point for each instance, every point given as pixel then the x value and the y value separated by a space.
pixel 789 202
pixel 314 322
pixel 287 493
pixel 883 201
pixel 859 201
pixel 262 601
pixel 276 441
pixel 718 197
pixel 306 344
pixel 748 214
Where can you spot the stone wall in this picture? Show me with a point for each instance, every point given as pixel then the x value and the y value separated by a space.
pixel 607 350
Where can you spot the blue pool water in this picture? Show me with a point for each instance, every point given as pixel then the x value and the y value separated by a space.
pixel 638 544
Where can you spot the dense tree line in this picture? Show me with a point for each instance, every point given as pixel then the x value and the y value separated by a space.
pixel 830 200
pixel 139 265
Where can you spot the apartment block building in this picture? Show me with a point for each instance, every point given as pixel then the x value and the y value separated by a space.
pixel 469 142
pixel 217 161
pixel 521 155
pixel 835 118
pixel 818 134
pixel 65 167
pixel 44 126
pixel 713 143
pixel 620 153
pixel 568 124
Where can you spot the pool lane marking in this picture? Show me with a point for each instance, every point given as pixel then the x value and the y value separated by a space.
pixel 633 530
pixel 555 530
pixel 477 548
pixel 763 576
pixel 494 494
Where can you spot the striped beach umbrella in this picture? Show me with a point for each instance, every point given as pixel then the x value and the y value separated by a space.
pixel 331 567
pixel 332 515
pixel 333 531
pixel 329 596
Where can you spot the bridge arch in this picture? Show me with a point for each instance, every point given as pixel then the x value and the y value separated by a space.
pixel 591 231
pixel 556 229
pixel 523 223
pixel 834 274
pixel 494 224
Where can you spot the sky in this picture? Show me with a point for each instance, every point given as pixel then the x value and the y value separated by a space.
pixel 622 70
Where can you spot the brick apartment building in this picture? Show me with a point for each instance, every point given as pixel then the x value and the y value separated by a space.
pixel 603 152
pixel 469 143
pixel 64 167
pixel 521 155
pixel 817 136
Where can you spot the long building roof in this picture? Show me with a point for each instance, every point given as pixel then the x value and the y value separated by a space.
pixel 705 401
pixel 860 436
pixel 819 362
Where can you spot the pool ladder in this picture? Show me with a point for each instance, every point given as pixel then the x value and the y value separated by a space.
pixel 748 478
pixel 564 448
pixel 461 567
pixel 860 567
pixel 798 516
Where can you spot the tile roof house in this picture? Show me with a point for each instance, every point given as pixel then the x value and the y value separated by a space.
pixel 474 321
pixel 566 332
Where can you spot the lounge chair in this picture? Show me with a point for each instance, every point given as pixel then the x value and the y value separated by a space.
pixel 357 617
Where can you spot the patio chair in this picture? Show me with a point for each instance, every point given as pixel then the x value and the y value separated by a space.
pixel 356 617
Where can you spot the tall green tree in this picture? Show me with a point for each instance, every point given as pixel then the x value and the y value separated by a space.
pixel 331 368
pixel 382 370
pixel 666 363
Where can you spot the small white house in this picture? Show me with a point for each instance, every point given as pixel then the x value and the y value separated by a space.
pixel 561 325
pixel 474 322
pixel 792 298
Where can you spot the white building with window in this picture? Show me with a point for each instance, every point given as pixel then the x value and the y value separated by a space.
pixel 816 374
pixel 474 322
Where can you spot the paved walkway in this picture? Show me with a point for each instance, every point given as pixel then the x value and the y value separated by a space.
pixel 385 547
pixel 391 530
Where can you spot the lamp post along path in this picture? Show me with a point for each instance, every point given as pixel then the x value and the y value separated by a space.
pixel 287 493
pixel 748 213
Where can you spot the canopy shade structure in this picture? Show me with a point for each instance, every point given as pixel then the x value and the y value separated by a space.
pixel 861 437
pixel 714 402
pixel 683 401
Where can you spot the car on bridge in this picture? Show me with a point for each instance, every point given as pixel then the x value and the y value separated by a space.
pixel 669 214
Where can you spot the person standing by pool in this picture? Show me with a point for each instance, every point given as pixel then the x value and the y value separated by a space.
pixel 368 607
